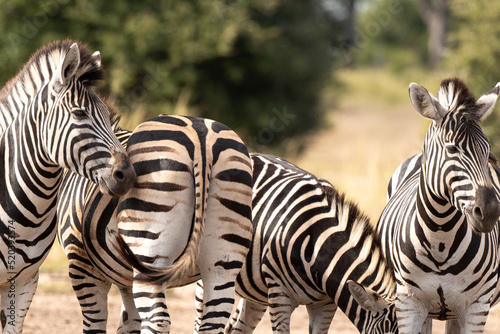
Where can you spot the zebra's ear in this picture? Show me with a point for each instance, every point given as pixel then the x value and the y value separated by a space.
pixel 97 57
pixel 367 298
pixel 486 103
pixel 68 67
pixel 425 104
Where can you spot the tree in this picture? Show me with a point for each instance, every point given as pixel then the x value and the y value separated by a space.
pixel 435 15
pixel 257 66
pixel 390 32
pixel 474 52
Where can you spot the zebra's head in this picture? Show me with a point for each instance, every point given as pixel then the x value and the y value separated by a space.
pixel 456 151
pixel 74 123
pixel 381 315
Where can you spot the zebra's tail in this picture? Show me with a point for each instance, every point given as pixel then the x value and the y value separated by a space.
pixel 185 264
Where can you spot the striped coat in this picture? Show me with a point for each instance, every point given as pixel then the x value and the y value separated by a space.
pixel 308 247
pixel 187 217
pixel 50 119
pixel 439 229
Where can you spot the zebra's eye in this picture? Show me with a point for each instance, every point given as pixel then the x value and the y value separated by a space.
pixel 451 148
pixel 79 113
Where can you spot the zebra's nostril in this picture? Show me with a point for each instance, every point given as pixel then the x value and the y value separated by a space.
pixel 119 176
pixel 478 213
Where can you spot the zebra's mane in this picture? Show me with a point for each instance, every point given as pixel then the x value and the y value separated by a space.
pixel 113 112
pixel 454 95
pixel 359 227
pixel 347 209
pixel 89 70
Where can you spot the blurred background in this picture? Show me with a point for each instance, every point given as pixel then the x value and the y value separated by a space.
pixel 323 83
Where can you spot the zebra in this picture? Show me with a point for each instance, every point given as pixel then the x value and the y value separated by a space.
pixel 51 119
pixel 191 203
pixel 412 166
pixel 311 246
pixel 439 228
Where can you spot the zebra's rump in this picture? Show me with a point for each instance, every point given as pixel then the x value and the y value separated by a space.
pixel 188 169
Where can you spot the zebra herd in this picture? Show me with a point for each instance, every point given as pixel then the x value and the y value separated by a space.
pixel 180 200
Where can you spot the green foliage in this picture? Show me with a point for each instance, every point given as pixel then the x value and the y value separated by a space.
pixel 257 66
pixel 474 52
pixel 391 33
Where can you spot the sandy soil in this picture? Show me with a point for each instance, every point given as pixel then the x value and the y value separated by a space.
pixel 59 313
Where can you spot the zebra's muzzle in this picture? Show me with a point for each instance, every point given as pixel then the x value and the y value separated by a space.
pixel 121 177
pixel 484 214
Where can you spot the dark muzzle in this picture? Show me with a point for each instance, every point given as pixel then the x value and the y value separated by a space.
pixel 485 212
pixel 122 176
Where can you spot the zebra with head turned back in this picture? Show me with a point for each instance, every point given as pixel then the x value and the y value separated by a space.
pixel 188 216
pixel 310 245
pixel 51 119
pixel 92 282
pixel 439 229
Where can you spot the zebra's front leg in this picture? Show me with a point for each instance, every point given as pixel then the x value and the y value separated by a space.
pixel 452 327
pixel 150 302
pixel 130 321
pixel 474 318
pixel 92 294
pixel 246 317
pixel 411 314
pixel 320 316
pixel 16 296
pixel 427 327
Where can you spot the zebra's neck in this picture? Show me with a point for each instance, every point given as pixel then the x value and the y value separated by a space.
pixel 30 179
pixel 367 266
pixel 382 281
pixel 435 214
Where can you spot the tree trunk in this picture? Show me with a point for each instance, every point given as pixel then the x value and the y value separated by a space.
pixel 435 15
pixel 350 23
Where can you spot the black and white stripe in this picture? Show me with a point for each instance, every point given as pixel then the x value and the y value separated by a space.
pixel 186 218
pixel 93 262
pixel 439 229
pixel 50 119
pixel 308 243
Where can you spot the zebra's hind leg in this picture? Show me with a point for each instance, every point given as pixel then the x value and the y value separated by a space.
pixel 320 316
pixel 130 321
pixel 16 300
pixel 218 302
pixel 92 294
pixel 246 317
pixel 199 305
pixel 150 302
pixel 280 308
pixel 224 245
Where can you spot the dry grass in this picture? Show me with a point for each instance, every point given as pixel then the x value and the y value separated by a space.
pixel 372 130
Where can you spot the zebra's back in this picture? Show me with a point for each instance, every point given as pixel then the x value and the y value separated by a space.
pixel 308 242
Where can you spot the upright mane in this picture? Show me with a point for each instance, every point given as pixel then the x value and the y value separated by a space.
pixel 46 60
pixel 454 95
pixel 356 219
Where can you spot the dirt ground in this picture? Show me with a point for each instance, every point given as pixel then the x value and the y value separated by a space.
pixel 59 313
